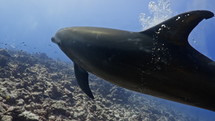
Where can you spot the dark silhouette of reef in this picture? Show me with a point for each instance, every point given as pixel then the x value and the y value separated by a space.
pixel 34 87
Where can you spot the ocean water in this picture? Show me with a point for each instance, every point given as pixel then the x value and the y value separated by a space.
pixel 28 26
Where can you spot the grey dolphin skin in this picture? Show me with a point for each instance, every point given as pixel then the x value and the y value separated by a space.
pixel 158 61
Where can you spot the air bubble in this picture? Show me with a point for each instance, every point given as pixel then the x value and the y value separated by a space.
pixel 194 41
pixel 163 26
pixel 178 18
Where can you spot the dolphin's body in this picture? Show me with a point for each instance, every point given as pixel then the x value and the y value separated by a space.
pixel 158 61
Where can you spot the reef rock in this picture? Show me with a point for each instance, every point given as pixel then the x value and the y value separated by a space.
pixel 28 116
pixel 4 57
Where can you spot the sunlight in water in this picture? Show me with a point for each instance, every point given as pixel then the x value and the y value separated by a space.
pixel 159 11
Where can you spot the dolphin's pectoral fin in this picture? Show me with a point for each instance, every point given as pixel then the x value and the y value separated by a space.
pixel 82 78
pixel 177 29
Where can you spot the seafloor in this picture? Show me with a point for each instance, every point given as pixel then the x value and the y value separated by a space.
pixel 34 87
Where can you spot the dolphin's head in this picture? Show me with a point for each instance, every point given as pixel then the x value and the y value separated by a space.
pixel 68 42
pixel 70 37
pixel 71 41
pixel 62 36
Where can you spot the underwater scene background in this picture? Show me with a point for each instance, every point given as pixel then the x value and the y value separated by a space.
pixel 37 80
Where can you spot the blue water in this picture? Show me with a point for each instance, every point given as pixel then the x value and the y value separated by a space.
pixel 29 25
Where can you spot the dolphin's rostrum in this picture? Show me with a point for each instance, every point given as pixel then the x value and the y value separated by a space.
pixel 158 61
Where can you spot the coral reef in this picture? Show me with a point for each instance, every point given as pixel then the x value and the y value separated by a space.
pixel 34 87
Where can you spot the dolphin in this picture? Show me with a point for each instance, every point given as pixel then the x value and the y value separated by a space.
pixel 158 61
